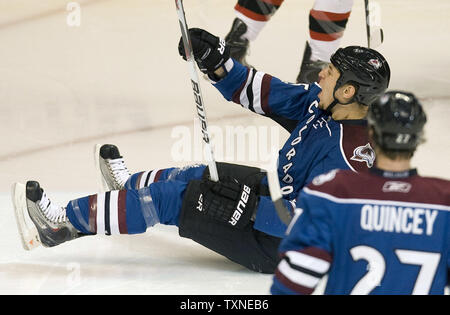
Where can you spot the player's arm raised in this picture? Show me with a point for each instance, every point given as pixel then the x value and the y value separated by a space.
pixel 252 89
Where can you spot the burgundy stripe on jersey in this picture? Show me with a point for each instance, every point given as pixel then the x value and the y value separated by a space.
pixel 138 180
pixel 108 213
pixel 93 213
pixel 122 211
pixel 144 179
pixel 265 90
pixel 302 270
pixel 253 94
pixel 237 94
pixel 291 285
pixel 318 253
pixel 157 176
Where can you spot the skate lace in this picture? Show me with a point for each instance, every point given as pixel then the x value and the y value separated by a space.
pixel 52 212
pixel 119 170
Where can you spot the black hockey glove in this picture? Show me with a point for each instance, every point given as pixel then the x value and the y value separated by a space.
pixel 210 52
pixel 228 201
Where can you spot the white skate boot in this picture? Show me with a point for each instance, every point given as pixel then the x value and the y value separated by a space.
pixel 49 224
pixel 111 166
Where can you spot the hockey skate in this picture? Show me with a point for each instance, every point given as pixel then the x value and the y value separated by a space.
pixel 111 166
pixel 238 45
pixel 309 70
pixel 40 222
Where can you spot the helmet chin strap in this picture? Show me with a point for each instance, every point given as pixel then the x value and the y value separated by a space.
pixel 335 102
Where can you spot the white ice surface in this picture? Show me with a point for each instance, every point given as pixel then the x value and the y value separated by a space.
pixel 118 78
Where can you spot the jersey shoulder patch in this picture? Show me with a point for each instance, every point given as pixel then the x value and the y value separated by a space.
pixel 356 148
pixel 324 178
pixel 365 154
pixel 333 182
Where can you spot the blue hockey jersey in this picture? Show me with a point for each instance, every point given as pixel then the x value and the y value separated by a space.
pixel 372 233
pixel 318 144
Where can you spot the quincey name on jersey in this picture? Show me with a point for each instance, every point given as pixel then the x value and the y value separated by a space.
pixel 373 233
pixel 397 219
pixel 318 144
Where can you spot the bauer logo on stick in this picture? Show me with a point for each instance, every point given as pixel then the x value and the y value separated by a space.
pixel 200 110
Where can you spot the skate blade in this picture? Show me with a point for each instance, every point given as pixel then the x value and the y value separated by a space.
pixel 103 186
pixel 27 231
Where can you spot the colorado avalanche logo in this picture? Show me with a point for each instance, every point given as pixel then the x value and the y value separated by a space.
pixel 375 63
pixel 364 153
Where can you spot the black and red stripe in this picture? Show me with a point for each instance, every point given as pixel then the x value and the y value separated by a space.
pixel 258 10
pixel 327 26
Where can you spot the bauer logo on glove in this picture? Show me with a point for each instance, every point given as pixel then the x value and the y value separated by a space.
pixel 227 201
pixel 210 52
pixel 241 205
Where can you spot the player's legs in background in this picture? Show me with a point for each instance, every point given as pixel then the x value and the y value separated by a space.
pixel 251 17
pixel 327 22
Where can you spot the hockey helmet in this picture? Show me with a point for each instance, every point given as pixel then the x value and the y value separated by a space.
pixel 398 120
pixel 364 67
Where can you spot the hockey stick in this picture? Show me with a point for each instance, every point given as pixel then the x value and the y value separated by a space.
pixel 375 35
pixel 275 193
pixel 201 111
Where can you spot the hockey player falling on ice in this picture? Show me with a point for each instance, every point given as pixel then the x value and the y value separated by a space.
pixel 234 217
pixel 327 22
pixel 382 232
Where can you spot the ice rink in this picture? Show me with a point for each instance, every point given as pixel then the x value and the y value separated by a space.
pixel 117 78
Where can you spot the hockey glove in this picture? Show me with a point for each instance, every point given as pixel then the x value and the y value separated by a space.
pixel 228 201
pixel 210 52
